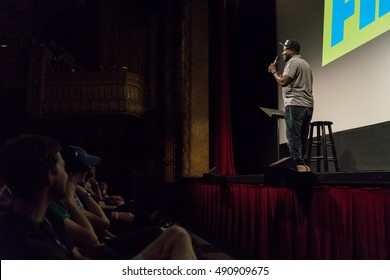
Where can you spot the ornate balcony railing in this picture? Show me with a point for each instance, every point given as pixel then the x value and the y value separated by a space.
pixel 116 91
pixel 111 92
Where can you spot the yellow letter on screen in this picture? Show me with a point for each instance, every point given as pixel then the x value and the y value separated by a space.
pixel 349 24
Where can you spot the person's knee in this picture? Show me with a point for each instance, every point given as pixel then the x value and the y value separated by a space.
pixel 178 232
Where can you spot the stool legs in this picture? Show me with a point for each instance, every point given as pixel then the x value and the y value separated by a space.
pixel 310 143
pixel 324 148
pixel 333 146
pixel 321 143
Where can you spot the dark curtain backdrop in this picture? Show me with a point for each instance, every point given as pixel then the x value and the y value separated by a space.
pixel 242 44
pixel 223 143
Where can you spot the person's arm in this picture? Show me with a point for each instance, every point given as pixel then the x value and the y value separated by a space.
pixel 96 189
pixel 78 226
pixel 281 79
pixel 122 216
pixel 93 211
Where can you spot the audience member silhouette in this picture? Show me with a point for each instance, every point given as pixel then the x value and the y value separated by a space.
pixel 124 215
pixel 33 169
pixel 129 244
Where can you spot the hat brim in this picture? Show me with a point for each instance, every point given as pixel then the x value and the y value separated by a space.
pixel 77 159
pixel 91 160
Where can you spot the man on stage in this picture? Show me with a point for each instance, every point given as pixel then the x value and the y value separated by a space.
pixel 297 88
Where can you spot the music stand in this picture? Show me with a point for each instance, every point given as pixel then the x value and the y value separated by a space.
pixel 277 114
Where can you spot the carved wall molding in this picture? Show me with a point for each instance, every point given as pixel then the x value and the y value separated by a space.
pixel 186 88
pixel 117 92
pixel 186 94
pixel 101 92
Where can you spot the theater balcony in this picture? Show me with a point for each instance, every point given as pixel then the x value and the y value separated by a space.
pixel 103 91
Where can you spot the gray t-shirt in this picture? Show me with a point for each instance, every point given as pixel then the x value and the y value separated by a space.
pixel 300 91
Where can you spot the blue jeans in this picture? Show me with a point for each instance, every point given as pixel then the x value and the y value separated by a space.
pixel 297 130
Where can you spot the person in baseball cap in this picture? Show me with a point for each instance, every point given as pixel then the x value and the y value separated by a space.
pixel 77 159
pixel 296 81
pixel 291 44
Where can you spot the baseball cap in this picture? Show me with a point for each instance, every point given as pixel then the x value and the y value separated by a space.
pixel 77 159
pixel 291 44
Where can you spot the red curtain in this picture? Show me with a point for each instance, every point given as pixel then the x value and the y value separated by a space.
pixel 223 144
pixel 273 223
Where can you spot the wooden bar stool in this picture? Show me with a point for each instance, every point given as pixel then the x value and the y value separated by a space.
pixel 321 142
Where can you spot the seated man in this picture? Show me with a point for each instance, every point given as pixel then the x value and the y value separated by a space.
pixel 32 167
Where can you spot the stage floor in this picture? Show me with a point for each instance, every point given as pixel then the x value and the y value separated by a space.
pixel 356 178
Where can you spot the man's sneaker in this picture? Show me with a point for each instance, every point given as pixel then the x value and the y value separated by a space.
pixel 301 168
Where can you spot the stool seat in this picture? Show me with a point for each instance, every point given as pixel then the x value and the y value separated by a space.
pixel 316 123
pixel 321 142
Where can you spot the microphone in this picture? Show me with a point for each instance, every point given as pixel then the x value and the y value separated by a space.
pixel 276 60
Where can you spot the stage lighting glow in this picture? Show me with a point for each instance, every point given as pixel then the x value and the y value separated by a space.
pixel 349 24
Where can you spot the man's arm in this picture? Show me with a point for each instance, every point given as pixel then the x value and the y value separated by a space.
pixel 279 78
pixel 78 226
pixel 93 211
